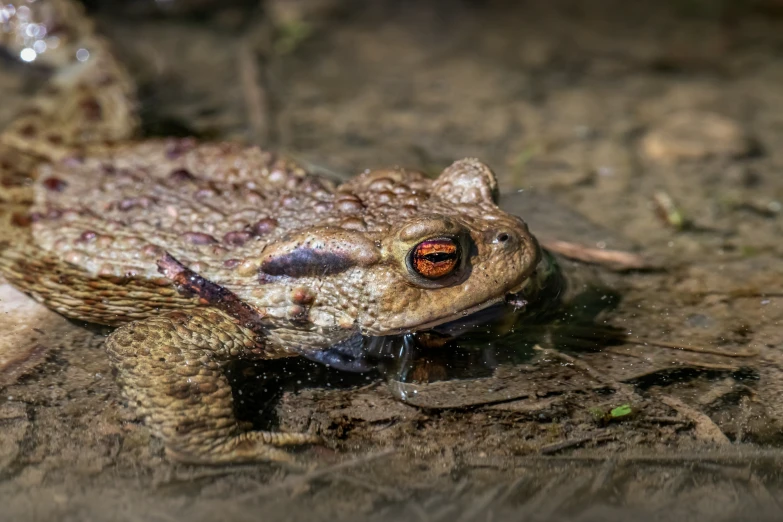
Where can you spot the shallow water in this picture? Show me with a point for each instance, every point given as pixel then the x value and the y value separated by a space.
pixel 593 110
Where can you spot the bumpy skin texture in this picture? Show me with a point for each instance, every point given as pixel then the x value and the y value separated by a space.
pixel 204 253
pixel 169 367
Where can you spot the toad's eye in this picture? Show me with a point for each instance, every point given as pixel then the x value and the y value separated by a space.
pixel 434 258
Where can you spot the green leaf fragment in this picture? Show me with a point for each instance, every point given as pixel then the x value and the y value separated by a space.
pixel 620 411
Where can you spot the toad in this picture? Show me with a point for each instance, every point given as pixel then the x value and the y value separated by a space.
pixel 202 253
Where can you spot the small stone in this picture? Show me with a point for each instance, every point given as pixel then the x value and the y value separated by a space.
pixel 694 136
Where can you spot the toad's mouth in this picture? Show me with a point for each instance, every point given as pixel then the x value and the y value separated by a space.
pixel 473 315
pixel 510 302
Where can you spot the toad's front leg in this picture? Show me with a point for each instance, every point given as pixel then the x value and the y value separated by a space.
pixel 169 368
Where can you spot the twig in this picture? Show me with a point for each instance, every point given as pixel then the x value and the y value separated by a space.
pixel 704 428
pixel 607 334
pixel 664 420
pixel 596 436
pixel 255 95
pixel 617 259
pixel 696 349
pixel 589 370
pixel 740 293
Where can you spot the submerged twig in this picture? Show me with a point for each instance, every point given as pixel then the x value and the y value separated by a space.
pixel 608 334
pixel 588 369
pixel 696 349
pixel 704 428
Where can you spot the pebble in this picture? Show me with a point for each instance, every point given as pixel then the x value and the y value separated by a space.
pixel 694 136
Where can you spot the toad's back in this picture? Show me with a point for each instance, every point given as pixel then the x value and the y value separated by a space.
pixel 114 213
pixel 102 222
pixel 210 206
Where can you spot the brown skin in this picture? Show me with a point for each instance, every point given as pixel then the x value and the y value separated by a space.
pixel 205 253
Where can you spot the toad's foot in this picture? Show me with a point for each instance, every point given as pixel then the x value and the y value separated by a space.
pixel 169 368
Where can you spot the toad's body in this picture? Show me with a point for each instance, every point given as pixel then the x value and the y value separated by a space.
pixel 202 253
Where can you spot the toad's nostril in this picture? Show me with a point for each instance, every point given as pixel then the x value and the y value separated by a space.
pixel 502 237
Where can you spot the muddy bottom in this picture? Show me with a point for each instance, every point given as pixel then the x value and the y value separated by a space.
pixel 647 128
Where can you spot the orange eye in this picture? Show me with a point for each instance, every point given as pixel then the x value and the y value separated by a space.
pixel 434 258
